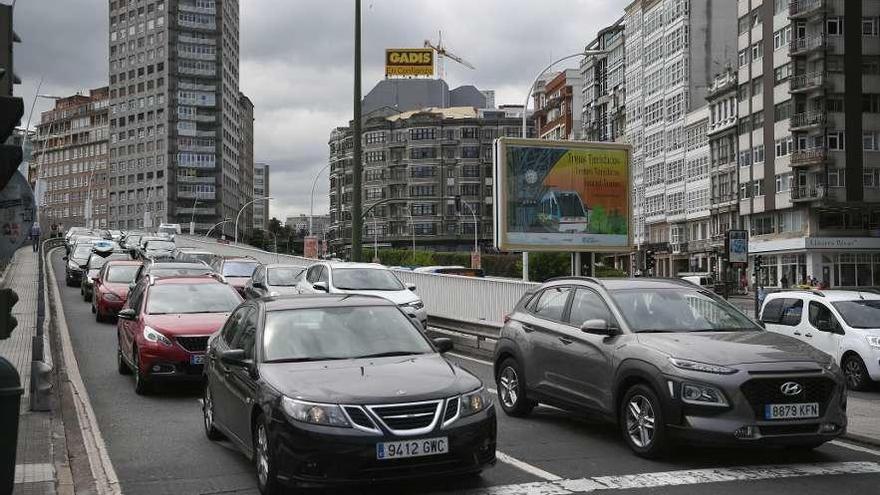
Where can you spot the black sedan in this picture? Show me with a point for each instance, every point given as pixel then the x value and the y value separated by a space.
pixel 324 390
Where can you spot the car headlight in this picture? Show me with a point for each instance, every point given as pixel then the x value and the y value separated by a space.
pixel 316 414
pixel 274 294
pixel 154 336
pixel 109 296
pixel 475 402
pixel 688 365
pixel 702 395
pixel 873 341
pixel 417 304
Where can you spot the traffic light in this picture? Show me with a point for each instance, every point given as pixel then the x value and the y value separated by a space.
pixel 8 298
pixel 759 263
pixel 650 262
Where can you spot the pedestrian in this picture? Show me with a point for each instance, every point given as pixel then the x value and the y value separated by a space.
pixel 762 293
pixel 784 282
pixel 36 233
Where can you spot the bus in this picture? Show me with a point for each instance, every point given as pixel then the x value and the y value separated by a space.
pixel 563 211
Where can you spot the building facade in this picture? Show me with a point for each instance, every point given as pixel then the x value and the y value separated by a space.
pixel 70 155
pixel 420 162
pixel 673 48
pixel 246 160
pixel 300 224
pixel 261 190
pixel 809 123
pixel 174 112
pixel 604 92
pixel 558 102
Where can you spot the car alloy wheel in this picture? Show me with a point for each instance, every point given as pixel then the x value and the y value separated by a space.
pixel 208 414
pixel 856 374
pixel 640 421
pixel 509 382
pixel 511 390
pixel 266 480
pixel 141 387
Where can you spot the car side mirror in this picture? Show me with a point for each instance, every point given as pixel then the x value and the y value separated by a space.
pixel 259 285
pixel 321 286
pixel 598 326
pixel 443 344
pixel 411 287
pixel 127 314
pixel 234 357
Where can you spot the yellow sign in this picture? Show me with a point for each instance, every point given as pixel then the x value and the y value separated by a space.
pixel 409 62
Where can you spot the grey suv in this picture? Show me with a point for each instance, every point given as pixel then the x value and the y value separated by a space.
pixel 667 361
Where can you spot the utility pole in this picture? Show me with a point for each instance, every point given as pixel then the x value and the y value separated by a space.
pixel 357 222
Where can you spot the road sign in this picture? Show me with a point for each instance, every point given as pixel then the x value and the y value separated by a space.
pixel 17 209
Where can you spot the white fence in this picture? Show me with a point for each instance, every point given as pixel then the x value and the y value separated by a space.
pixel 466 299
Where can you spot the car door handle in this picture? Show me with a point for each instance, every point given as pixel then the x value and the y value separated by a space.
pixel 808 335
pixel 565 340
pixel 528 328
pixel 797 333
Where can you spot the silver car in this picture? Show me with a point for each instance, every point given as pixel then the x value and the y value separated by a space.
pixel 363 278
pixel 667 361
pixel 273 280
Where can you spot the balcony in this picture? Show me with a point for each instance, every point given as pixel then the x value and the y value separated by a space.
pixel 818 192
pixel 799 9
pixel 202 196
pixel 198 211
pixel 810 156
pixel 800 46
pixel 189 179
pixel 188 7
pixel 806 82
pixel 806 120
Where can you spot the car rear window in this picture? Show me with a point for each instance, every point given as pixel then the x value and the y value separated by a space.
pixel 284 276
pixel 239 268
pixel 122 274
pixel 191 299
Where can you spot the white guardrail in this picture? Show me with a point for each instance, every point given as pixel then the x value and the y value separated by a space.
pixel 480 301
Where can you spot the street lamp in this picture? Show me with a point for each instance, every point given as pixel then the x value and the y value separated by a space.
pixel 476 227
pixel 312 204
pixel 216 225
pixel 525 131
pixel 265 198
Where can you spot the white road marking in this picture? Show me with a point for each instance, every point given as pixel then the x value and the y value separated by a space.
pixel 679 478
pixel 523 466
pixel 857 448
pixel 468 358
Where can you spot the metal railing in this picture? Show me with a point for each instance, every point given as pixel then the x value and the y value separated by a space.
pixel 807 81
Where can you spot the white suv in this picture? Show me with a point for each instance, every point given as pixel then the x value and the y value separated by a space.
pixel 842 323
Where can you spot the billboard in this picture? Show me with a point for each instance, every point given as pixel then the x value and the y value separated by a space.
pixel 409 62
pixel 738 246
pixel 562 196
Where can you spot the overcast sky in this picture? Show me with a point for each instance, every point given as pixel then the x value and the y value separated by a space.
pixel 296 61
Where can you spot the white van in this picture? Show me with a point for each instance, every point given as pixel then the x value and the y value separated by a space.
pixel 169 229
pixel 844 324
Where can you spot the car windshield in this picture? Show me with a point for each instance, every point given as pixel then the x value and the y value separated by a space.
pixel 82 252
pixel 860 314
pixel 132 240
pixel 160 245
pixel 167 230
pixel 180 272
pixel 340 333
pixel 284 276
pixel 678 310
pixel 122 274
pixel 191 298
pixel 239 268
pixel 97 261
pixel 206 257
pixel 365 279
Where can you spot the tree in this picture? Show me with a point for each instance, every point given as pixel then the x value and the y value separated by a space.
pixel 274 225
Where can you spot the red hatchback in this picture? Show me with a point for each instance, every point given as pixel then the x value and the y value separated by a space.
pixel 164 328
pixel 111 288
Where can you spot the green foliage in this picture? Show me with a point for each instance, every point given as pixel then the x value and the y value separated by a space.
pixel 609 272
pixel 274 225
pixel 544 266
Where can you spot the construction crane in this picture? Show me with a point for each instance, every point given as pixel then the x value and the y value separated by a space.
pixel 442 52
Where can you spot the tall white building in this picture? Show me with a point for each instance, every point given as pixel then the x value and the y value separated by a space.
pixel 673 48
pixel 174 112
pixel 261 190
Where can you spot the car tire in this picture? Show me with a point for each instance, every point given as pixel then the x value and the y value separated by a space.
pixel 857 377
pixel 642 422
pixel 141 384
pixel 121 365
pixel 208 415
pixel 264 463
pixel 512 389
pixel 69 282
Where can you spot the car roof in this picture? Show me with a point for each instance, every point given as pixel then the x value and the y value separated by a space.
pixel 349 264
pixel 123 263
pixel 186 280
pixel 178 264
pixel 628 283
pixel 304 301
pixel 240 258
pixel 194 250
pixel 826 295
pixel 284 265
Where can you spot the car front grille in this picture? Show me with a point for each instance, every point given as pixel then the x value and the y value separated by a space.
pixel 762 391
pixel 451 409
pixel 412 418
pixel 193 344
pixel 359 417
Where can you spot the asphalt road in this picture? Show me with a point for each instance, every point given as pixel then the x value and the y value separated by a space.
pixel 157 445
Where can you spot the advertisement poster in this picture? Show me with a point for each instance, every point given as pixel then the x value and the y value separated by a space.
pixel 738 246
pixel 562 196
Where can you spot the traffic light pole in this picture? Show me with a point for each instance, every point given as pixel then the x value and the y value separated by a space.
pixel 357 220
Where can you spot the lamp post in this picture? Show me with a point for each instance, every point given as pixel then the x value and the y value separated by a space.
pixel 216 225
pixel 265 198
pixel 357 221
pixel 476 227
pixel 192 220
pixel 525 130
pixel 312 203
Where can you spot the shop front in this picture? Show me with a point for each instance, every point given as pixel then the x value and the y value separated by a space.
pixel 833 262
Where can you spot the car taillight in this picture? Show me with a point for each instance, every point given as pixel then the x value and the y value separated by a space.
pixel 506 319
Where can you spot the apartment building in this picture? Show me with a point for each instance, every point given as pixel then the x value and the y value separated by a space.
pixel 421 161
pixel 70 155
pixel 261 190
pixel 604 91
pixel 175 125
pixel 246 160
pixel 558 102
pixel 673 48
pixel 809 124
pixel 723 139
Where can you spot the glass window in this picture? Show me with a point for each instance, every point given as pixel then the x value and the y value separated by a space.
pixel 821 317
pixel 234 325
pixel 191 298
pixel 239 269
pixel 283 276
pixel 678 310
pixel 863 313
pixel 587 305
pixel 340 333
pixel 248 335
pixel 792 310
pixel 551 303
pixel 772 312
pixel 122 274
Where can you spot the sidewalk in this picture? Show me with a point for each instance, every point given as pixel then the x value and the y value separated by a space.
pixel 34 470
